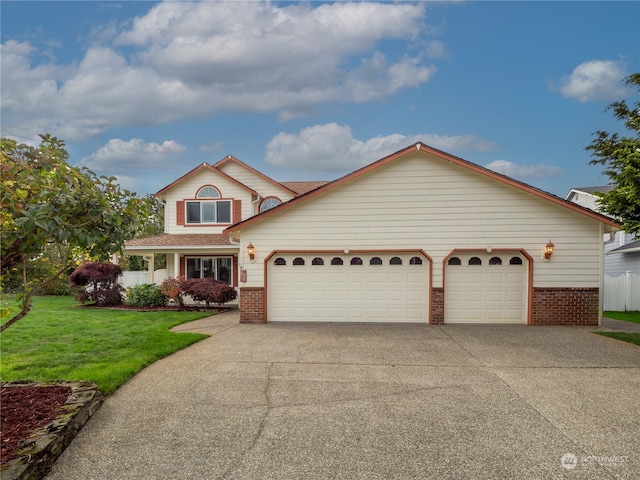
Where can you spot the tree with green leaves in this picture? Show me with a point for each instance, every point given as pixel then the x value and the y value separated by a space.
pixel 620 156
pixel 45 201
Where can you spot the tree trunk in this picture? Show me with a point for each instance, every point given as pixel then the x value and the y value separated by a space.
pixel 26 302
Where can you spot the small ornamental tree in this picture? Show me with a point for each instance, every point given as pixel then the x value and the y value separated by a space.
pixel 172 288
pixel 209 290
pixel 100 282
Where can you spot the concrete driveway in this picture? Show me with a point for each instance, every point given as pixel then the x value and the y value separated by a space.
pixel 289 401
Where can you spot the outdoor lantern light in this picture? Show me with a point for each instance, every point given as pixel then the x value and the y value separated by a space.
pixel 251 251
pixel 548 250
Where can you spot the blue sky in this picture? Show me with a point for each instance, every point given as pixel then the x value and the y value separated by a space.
pixel 145 91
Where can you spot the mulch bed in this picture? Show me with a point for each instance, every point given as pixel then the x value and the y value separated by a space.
pixel 25 409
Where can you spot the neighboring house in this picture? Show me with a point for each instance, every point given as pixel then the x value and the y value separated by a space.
pixel 622 252
pixel 418 236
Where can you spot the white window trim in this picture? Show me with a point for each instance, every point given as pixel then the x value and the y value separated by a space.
pixel 203 201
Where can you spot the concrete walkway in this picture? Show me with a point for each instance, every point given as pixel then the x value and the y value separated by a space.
pixel 321 401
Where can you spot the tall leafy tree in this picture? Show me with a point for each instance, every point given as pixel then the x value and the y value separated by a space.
pixel 44 201
pixel 620 156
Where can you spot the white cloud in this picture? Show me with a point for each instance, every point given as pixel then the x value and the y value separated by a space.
pixel 594 80
pixel 524 172
pixel 118 156
pixel 332 147
pixel 186 60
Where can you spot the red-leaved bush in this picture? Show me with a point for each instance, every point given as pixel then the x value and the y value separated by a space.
pixel 172 288
pixel 97 282
pixel 208 290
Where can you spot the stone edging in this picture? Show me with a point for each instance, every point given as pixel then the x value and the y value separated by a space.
pixel 46 443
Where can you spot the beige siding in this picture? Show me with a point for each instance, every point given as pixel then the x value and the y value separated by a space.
pixel 424 202
pixel 188 189
pixel 260 184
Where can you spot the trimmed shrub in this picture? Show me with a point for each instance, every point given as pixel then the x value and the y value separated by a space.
pixel 97 282
pixel 146 295
pixel 209 290
pixel 172 288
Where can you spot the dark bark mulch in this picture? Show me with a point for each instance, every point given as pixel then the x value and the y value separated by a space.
pixel 24 410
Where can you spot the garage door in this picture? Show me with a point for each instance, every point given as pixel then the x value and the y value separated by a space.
pixel 486 288
pixel 375 287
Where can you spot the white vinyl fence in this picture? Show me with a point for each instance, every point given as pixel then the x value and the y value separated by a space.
pixel 131 279
pixel 622 293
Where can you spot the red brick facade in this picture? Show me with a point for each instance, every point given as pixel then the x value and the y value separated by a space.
pixel 251 305
pixel 437 306
pixel 565 306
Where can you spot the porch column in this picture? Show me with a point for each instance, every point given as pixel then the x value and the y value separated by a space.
pixel 150 268
pixel 176 265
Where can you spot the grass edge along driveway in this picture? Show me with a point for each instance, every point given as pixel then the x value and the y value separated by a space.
pixel 60 340
pixel 633 317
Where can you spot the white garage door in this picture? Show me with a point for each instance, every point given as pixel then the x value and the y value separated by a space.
pixel 326 287
pixel 486 288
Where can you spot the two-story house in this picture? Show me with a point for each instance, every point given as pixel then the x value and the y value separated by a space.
pixel 417 236
pixel 199 206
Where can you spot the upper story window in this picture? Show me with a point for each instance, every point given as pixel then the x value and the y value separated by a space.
pixel 208 192
pixel 208 211
pixel 268 203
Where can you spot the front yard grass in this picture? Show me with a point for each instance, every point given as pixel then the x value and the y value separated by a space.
pixel 59 340
pixel 625 337
pixel 624 316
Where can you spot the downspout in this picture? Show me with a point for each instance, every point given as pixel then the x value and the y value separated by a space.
pixel 253 205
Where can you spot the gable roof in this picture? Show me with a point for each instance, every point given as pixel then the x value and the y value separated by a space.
pixel 303 187
pixel 198 169
pixel 231 158
pixel 442 155
pixel 591 191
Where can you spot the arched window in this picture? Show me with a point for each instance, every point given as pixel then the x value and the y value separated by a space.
pixel 454 261
pixel 337 261
pixel 356 261
pixel 515 261
pixel 475 261
pixel 495 261
pixel 279 261
pixel 395 261
pixel 415 261
pixel 317 261
pixel 268 203
pixel 208 192
pixel 375 261
pixel 298 261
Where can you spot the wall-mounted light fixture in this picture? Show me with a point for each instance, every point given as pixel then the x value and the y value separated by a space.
pixel 251 251
pixel 548 250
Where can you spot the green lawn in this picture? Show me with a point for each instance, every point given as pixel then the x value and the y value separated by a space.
pixel 625 316
pixel 625 337
pixel 59 340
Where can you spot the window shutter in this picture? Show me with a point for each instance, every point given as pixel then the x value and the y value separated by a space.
pixel 237 211
pixel 180 212
pixel 235 271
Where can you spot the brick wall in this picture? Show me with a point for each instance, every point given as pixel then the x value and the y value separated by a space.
pixel 437 306
pixel 251 305
pixel 565 306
